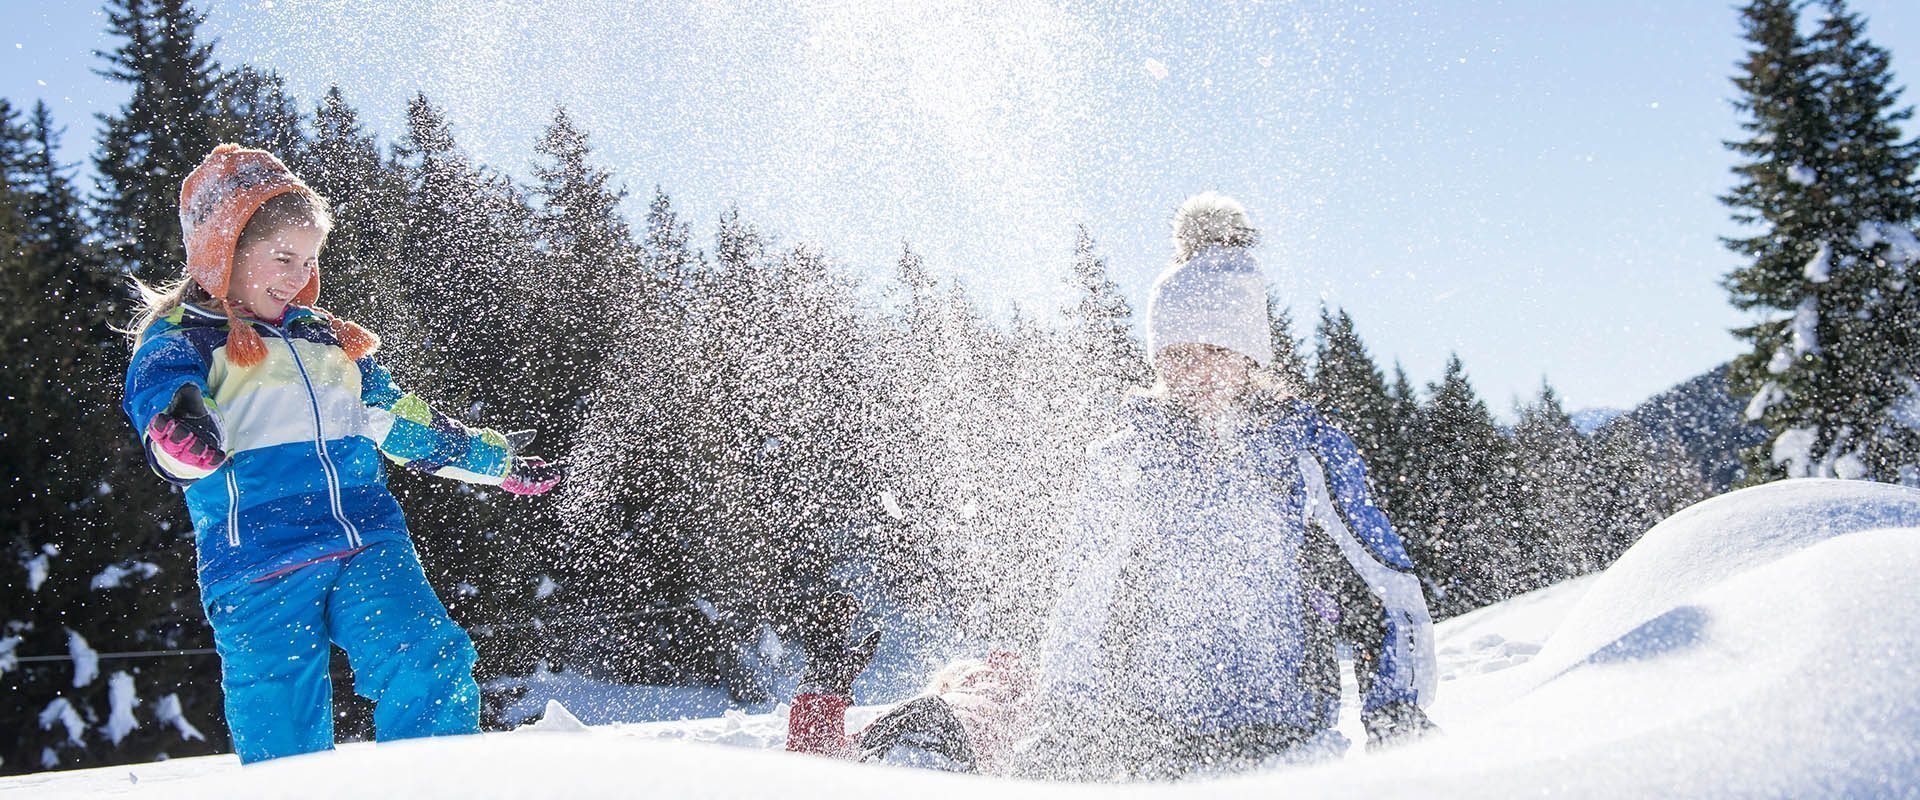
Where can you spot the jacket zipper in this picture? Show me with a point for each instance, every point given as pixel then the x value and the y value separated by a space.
pixel 233 508
pixel 320 444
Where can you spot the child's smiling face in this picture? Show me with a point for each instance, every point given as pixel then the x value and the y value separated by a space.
pixel 269 270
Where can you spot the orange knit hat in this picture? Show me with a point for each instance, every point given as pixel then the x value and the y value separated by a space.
pixel 216 201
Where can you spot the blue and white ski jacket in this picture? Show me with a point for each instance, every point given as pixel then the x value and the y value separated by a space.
pixel 1210 577
pixel 304 432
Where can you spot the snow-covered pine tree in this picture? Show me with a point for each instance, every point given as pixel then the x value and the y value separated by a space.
pixel 467 255
pixel 253 109
pixel 97 551
pixel 1289 367
pixel 1456 523
pixel 1826 186
pixel 1550 478
pixel 150 145
pixel 1347 384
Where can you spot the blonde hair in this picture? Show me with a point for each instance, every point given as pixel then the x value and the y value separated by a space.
pixel 279 213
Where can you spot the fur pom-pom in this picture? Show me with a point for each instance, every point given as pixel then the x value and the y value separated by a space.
pixel 1210 219
pixel 245 348
pixel 357 341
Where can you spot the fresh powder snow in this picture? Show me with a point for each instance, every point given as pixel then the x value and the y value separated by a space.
pixel 1756 644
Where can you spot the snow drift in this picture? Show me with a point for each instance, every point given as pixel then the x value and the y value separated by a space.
pixel 1760 643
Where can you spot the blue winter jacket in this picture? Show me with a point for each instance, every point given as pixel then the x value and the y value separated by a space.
pixel 1193 594
pixel 304 432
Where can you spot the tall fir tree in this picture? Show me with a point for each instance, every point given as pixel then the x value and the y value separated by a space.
pixel 253 109
pixel 1348 386
pixel 1550 477
pixel 1099 331
pixel 105 555
pixel 1826 185
pixel 1455 524
pixel 1289 367
pixel 150 145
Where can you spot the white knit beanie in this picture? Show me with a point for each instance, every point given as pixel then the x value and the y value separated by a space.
pixel 1214 292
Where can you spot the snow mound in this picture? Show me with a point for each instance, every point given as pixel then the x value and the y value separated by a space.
pixel 557 719
pixel 1714 540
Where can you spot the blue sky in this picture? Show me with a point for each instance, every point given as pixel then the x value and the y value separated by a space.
pixel 1531 185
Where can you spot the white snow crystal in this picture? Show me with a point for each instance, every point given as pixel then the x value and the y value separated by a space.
pixel 116 574
pixel 1156 68
pixel 466 589
pixel 545 589
pixel 121 697
pixel 1779 363
pixel 891 504
pixel 1802 175
pixel 167 712
pixel 36 572
pixel 86 662
pixel 8 660
pixel 1806 327
pixel 1817 268
pixel 1792 448
pixel 62 712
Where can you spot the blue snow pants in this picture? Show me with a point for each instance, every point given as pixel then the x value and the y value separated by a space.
pixel 408 656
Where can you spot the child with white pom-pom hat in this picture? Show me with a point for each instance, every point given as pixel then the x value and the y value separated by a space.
pixel 1225 544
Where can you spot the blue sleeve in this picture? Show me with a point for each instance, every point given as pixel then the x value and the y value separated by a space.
pixel 1347 481
pixel 1384 610
pixel 411 433
pixel 159 367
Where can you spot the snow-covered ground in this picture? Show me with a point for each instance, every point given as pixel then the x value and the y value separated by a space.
pixel 1762 643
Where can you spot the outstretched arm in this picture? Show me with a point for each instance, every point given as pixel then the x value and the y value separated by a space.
pixel 414 435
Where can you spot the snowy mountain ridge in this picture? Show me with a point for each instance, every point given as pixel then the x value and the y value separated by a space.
pixel 1760 643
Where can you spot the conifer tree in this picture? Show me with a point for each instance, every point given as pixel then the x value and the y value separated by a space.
pixel 591 274
pixel 466 249
pixel 150 145
pixel 103 548
pixel 1550 477
pixel 1634 481
pixel 1826 185
pixel 254 110
pixel 1392 470
pixel 1289 367
pixel 1099 334
pixel 1348 386
pixel 362 260
pixel 1454 524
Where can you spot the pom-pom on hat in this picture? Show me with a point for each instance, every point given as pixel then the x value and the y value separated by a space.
pixel 1214 293
pixel 216 201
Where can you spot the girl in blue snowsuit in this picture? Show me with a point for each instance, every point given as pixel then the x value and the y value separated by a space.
pixel 1225 546
pixel 274 416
